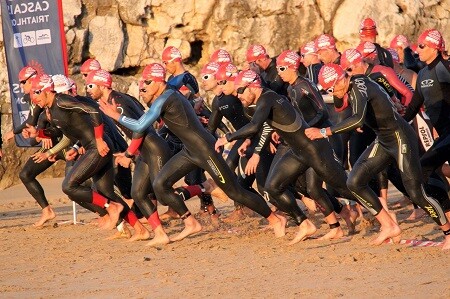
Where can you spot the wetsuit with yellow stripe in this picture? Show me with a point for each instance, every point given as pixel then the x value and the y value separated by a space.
pixel 395 142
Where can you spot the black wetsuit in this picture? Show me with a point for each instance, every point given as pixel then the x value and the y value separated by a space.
pixel 433 92
pixel 154 152
pixel 396 142
pixel 279 113
pixel 31 169
pixel 305 96
pixel 230 107
pixel 312 72
pixel 198 151
pixel 272 80
pixel 77 120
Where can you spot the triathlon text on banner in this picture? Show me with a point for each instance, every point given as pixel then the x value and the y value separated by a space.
pixel 33 35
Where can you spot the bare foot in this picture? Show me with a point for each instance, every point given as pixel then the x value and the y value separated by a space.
pixel 334 233
pixel 160 238
pixel 168 215
pixel 306 229
pixel 124 233
pixel 102 221
pixel 47 214
pixel 192 226
pixel 349 217
pixel 416 214
pixel 446 245
pixel 140 233
pixel 235 216
pixel 114 210
pixel 386 233
pixel 214 190
pixel 278 226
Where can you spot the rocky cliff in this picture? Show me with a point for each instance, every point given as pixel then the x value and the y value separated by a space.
pixel 127 35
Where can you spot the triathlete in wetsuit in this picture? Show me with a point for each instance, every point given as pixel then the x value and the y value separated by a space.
pixel 260 62
pixel 83 122
pixel 396 142
pixel 433 92
pixel 305 96
pixel 228 105
pixel 181 119
pixel 278 112
pixel 187 84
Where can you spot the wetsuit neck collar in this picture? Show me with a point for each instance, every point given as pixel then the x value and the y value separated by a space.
pixel 435 61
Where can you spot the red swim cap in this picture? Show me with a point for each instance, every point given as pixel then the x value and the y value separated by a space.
pixel 221 56
pixel 100 78
pixel 368 28
pixel 90 65
pixel 308 48
pixel 256 52
pixel 248 78
pixel 289 58
pixel 42 82
pixel 325 41
pixel 210 68
pixel 329 74
pixel 154 72
pixel 27 72
pixel 350 57
pixel 171 54
pixel 367 49
pixel 227 72
pixel 399 41
pixel 432 38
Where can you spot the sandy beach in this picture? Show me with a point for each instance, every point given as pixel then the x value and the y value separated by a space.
pixel 240 260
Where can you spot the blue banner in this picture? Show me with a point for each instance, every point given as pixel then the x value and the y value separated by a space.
pixel 33 35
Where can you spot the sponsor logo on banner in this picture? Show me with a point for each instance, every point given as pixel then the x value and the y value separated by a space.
pixel 43 37
pixel 29 38
pixel 33 35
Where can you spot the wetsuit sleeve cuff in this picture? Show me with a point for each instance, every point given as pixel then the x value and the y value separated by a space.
pixel 228 137
pixel 98 131
pixel 41 134
pixel 134 145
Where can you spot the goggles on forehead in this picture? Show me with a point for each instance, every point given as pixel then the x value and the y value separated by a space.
pixel 27 78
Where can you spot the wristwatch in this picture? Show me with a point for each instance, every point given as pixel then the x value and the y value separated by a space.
pixel 323 132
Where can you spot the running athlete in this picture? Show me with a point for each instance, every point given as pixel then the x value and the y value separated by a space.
pixel 198 151
pixel 368 33
pixel 182 79
pixel 432 91
pixel 267 106
pixel 311 61
pixel 26 74
pixel 255 154
pixel 305 96
pixel 31 169
pixel 230 107
pixel 260 62
pixel 407 57
pixel 328 53
pixel 70 116
pixel 396 142
pixel 409 75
